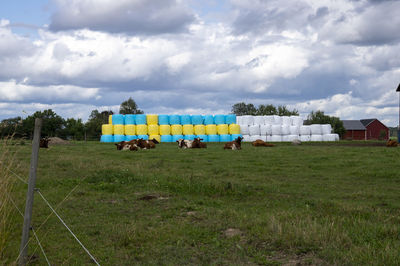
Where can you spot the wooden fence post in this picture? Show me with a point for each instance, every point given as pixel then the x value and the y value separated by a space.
pixel 29 195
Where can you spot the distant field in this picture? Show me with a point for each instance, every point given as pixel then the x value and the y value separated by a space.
pixel 308 204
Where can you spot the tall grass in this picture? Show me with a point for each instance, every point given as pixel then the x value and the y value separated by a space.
pixel 7 163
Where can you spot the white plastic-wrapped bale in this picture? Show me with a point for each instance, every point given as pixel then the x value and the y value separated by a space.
pixel 305 130
pixel 254 130
pixel 265 130
pixel 246 138
pixel 296 120
pixel 326 129
pixel 255 137
pixel 247 120
pixel 276 138
pixel 315 137
pixel 269 137
pixel 286 120
pixel 337 138
pixel 259 120
pixel 277 120
pixel 294 130
pixel 316 129
pixel 244 130
pixel 328 137
pixel 269 119
pixel 285 130
pixel 293 137
pixel 238 120
pixel 276 129
pixel 285 138
pixel 304 138
pixel 264 138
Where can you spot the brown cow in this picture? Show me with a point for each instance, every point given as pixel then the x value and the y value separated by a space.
pixel 146 144
pixel 44 142
pixel 127 145
pixel 234 145
pixel 391 143
pixel 198 144
pixel 261 143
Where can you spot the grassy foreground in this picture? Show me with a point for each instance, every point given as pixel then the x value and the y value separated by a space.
pixel 308 204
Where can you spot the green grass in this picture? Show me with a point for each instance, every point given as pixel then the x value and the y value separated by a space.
pixel 308 204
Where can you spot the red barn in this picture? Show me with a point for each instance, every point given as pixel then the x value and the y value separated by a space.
pixel 355 130
pixel 365 129
pixel 375 129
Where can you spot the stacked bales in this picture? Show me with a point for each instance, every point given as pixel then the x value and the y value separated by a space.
pixel 169 128
pixel 282 128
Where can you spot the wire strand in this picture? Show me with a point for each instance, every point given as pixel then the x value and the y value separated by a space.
pixel 76 238
pixel 20 178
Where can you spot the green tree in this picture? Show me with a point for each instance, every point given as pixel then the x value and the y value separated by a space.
pixel 319 117
pixel 74 129
pixel 243 109
pixel 129 107
pixel 52 125
pixel 12 126
pixel 94 123
pixel 268 109
pixel 282 110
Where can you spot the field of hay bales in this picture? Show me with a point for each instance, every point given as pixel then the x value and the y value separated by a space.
pixel 306 204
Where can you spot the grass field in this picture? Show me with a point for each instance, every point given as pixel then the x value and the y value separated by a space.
pixel 308 204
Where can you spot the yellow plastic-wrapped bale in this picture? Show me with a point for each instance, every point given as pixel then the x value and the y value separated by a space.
pixel 130 130
pixel 222 129
pixel 110 119
pixel 211 129
pixel 152 129
pixel 176 129
pixel 199 129
pixel 165 130
pixel 141 129
pixel 152 120
pixel 107 129
pixel 157 137
pixel 119 129
pixel 187 129
pixel 234 129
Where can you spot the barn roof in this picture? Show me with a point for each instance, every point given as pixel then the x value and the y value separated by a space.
pixel 353 125
pixel 366 122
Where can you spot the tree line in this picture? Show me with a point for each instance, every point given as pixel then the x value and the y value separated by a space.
pixel 75 129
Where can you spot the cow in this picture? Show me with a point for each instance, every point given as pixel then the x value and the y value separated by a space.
pixel 234 145
pixel 146 144
pixel 127 145
pixel 261 143
pixel 184 143
pixel 44 142
pixel 198 144
pixel 391 143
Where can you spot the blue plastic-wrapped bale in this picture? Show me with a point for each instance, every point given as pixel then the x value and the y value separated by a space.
pixel 208 120
pixel 130 137
pixel 186 120
pixel 176 137
pixel 145 137
pixel 204 138
pixel 230 119
pixel 189 137
pixel 213 138
pixel 166 138
pixel 219 119
pixel 225 138
pixel 174 120
pixel 197 119
pixel 119 138
pixel 163 119
pixel 107 138
pixel 141 119
pixel 235 136
pixel 118 119
pixel 130 119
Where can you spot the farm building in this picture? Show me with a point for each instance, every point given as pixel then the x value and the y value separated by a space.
pixel 365 129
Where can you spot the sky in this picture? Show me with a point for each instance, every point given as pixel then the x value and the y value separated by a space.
pixel 200 56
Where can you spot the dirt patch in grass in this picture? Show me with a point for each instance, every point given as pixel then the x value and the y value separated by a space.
pixel 296 260
pixel 58 141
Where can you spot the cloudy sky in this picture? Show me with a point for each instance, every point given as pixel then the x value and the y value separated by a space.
pixel 200 56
